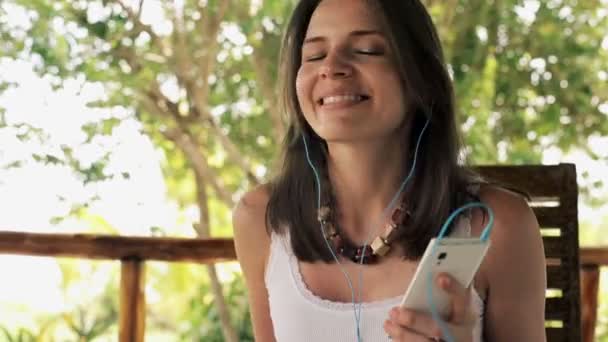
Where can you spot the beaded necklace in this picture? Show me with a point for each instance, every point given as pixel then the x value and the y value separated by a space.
pixel 377 249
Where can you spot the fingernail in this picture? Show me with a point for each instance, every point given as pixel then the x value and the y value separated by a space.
pixel 446 282
pixel 393 313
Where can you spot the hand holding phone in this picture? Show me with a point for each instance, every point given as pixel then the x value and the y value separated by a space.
pixel 458 257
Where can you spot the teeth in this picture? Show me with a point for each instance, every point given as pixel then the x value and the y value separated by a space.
pixel 342 98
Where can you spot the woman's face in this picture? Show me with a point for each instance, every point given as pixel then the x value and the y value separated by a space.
pixel 348 86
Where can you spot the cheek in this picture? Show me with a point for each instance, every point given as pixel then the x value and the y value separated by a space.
pixel 394 88
pixel 304 86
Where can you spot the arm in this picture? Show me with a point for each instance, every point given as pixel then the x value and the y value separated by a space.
pixel 252 245
pixel 514 271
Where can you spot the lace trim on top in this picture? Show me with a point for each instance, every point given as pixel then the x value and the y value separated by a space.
pixel 309 296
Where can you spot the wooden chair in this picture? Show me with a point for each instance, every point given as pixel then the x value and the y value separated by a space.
pixel 554 195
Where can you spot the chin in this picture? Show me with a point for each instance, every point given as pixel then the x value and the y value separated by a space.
pixel 331 133
pixel 359 137
pixel 344 137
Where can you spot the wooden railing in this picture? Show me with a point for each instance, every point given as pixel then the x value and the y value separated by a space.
pixel 133 252
pixel 591 259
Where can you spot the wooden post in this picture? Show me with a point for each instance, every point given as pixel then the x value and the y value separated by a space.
pixel 132 301
pixel 590 279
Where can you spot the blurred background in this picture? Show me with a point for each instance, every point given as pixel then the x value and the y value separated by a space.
pixel 151 118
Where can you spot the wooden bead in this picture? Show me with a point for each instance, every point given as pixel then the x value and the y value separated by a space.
pixel 396 217
pixel 390 232
pixel 330 231
pixel 329 228
pixel 337 242
pixel 380 247
pixel 323 214
pixel 400 214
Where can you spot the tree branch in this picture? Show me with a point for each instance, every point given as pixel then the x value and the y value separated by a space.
pixel 200 165
pixel 234 155
pixel 197 97
pixel 449 13
pixel 139 26
pixel 203 227
pixel 265 81
pixel 444 22
pixel 199 94
pixel 154 100
pixel 203 230
pixel 231 150
pixel 269 94
pixel 190 149
pixel 185 65
pixel 139 9
pixel 164 104
pixel 230 333
pixel 209 28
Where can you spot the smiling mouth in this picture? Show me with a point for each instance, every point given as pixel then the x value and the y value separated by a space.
pixel 342 99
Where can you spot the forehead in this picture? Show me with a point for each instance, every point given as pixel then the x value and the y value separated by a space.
pixel 336 16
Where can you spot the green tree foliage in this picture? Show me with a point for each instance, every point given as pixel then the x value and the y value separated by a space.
pixel 532 74
pixel 90 317
pixel 529 74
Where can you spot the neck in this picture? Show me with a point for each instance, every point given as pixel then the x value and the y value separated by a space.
pixel 365 177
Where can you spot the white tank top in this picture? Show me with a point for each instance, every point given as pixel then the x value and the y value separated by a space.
pixel 298 315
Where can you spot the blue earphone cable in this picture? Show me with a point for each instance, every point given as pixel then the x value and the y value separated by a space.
pixel 350 285
pixel 357 310
pixel 484 237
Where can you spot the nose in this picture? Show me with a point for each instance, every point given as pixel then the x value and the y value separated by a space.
pixel 334 67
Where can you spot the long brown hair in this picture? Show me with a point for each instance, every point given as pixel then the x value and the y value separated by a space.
pixel 438 185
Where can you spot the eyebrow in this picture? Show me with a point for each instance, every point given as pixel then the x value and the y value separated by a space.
pixel 356 33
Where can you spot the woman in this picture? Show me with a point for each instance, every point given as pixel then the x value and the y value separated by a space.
pixel 363 82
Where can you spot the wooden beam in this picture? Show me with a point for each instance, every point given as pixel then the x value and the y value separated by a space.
pixel 594 255
pixel 88 246
pixel 132 312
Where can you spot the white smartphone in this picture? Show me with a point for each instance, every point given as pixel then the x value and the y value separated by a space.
pixel 459 257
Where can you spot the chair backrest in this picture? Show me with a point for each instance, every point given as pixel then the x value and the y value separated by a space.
pixel 554 196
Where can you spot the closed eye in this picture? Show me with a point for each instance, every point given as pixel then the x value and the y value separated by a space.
pixel 319 57
pixel 314 58
pixel 370 52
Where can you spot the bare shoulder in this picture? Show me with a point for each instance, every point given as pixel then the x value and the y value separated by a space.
pixel 512 213
pixel 252 206
pixel 513 272
pixel 515 233
pixel 252 245
pixel 249 224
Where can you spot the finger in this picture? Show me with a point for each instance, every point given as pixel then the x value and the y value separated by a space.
pixel 399 333
pixel 417 321
pixel 460 297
